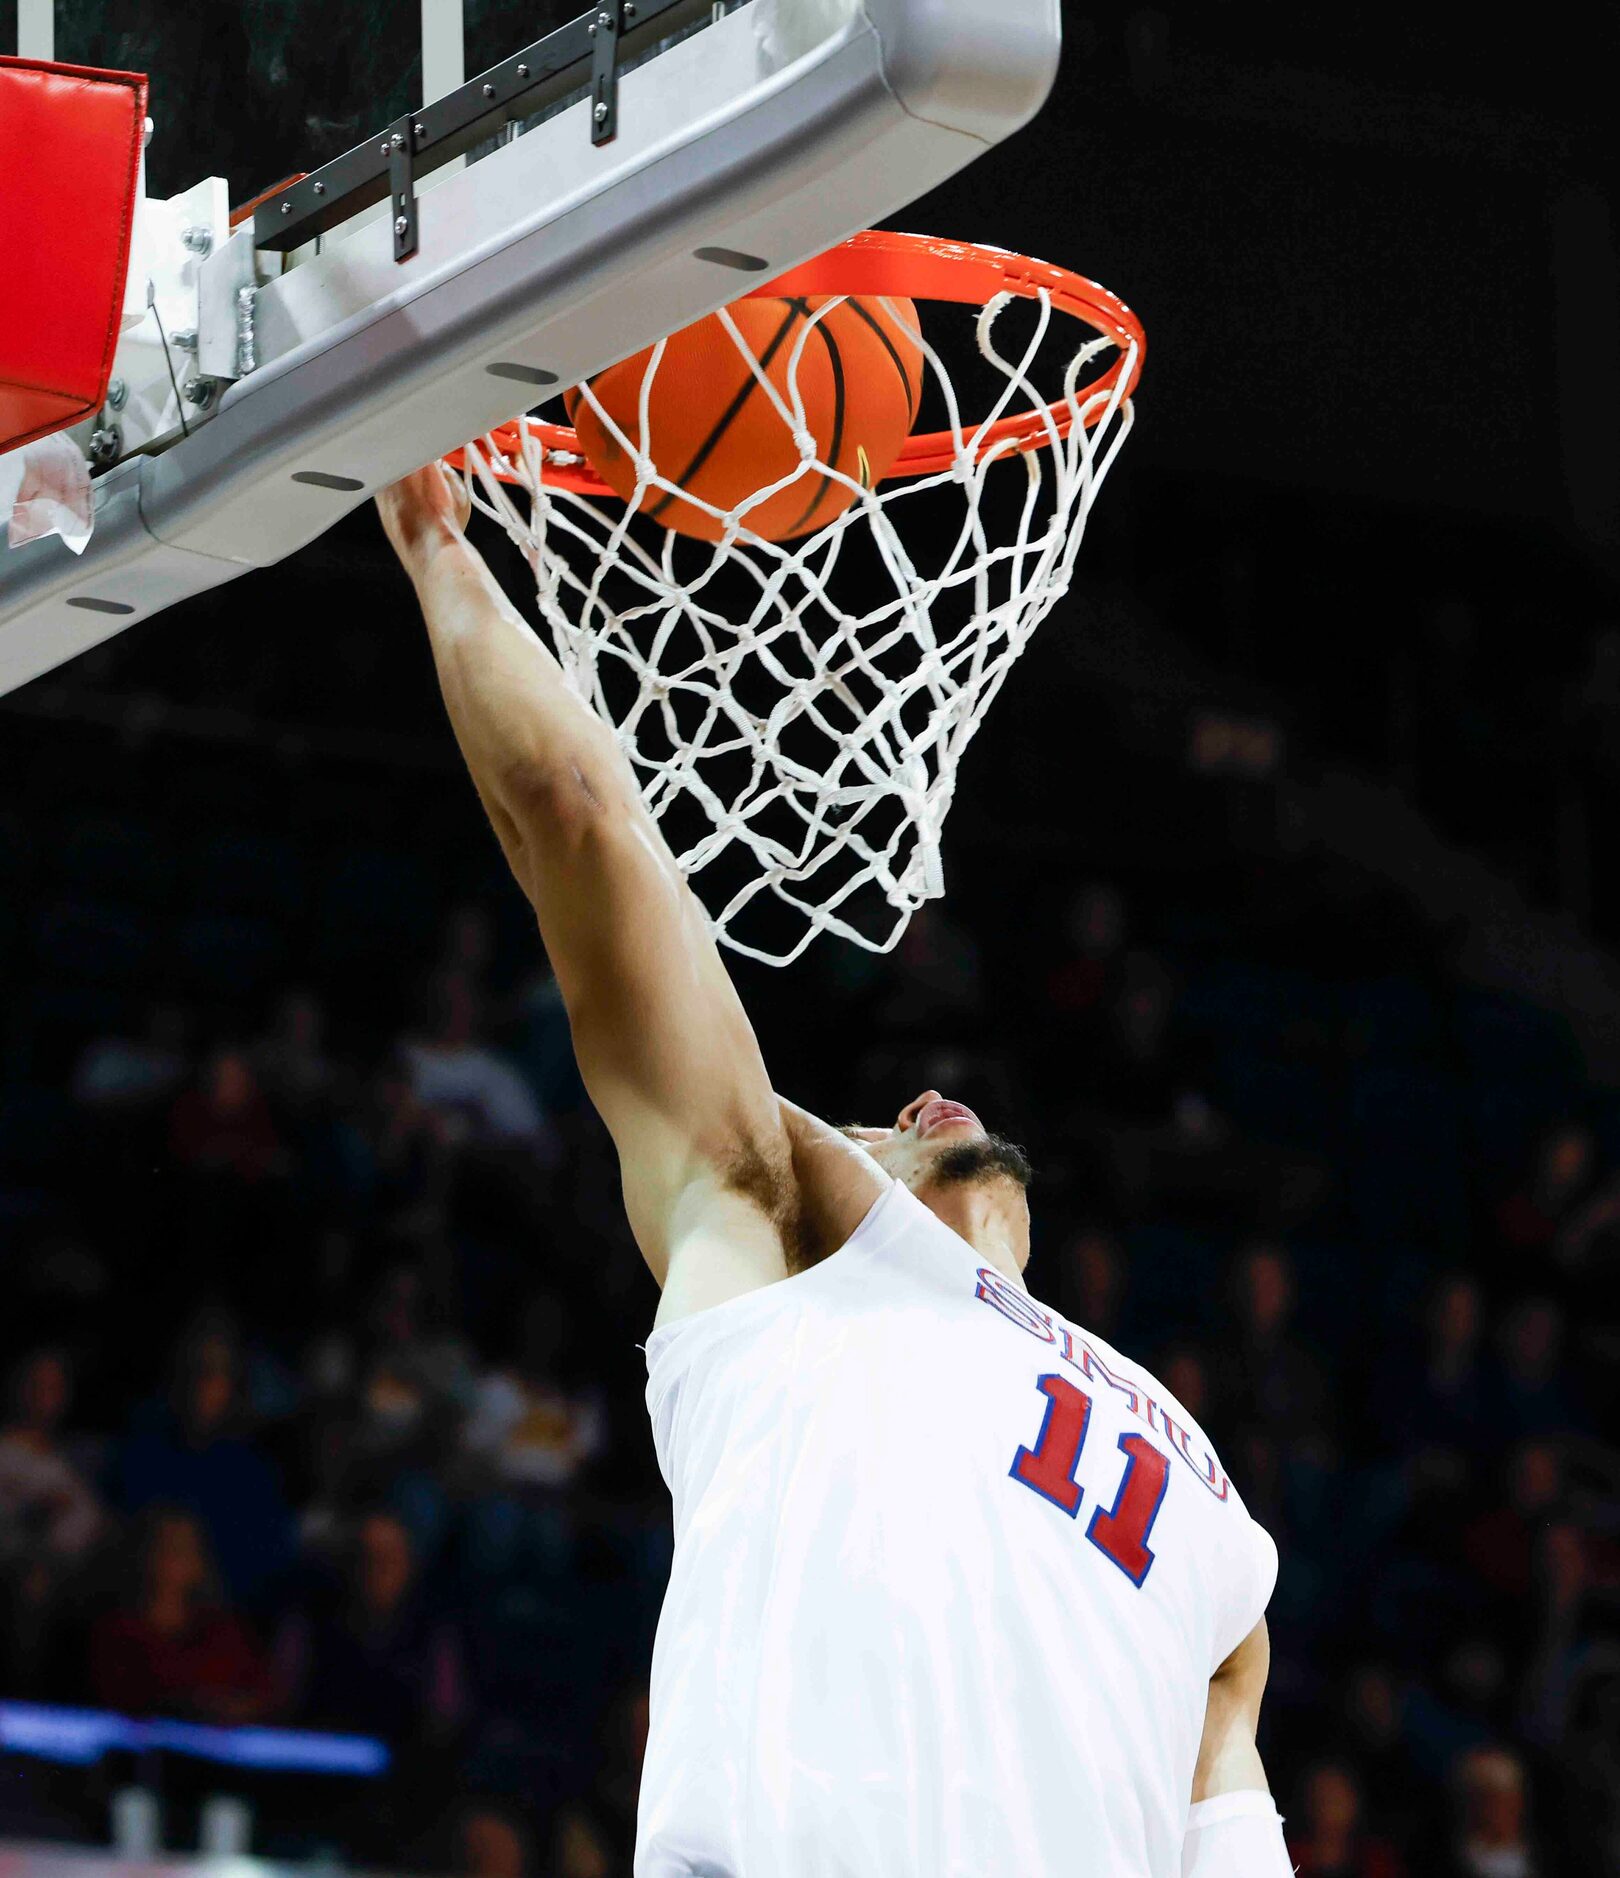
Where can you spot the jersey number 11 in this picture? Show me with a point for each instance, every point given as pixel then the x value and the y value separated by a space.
pixel 1119 1532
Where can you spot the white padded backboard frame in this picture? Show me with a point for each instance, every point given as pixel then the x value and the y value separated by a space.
pixel 772 133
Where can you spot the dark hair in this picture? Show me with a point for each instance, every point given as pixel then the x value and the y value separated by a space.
pixel 983 1160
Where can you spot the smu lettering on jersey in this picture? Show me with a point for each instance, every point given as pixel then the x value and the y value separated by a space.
pixel 950 1579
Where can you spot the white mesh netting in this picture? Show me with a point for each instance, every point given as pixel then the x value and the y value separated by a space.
pixel 796 712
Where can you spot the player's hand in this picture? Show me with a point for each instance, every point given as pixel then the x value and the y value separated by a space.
pixel 421 511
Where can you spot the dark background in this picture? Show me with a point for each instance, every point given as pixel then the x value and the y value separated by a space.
pixel 1309 1008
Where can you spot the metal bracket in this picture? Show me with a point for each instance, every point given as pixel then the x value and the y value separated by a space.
pixel 604 31
pixel 399 147
pixel 222 282
pixel 577 60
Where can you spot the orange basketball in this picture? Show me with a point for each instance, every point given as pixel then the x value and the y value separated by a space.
pixel 714 430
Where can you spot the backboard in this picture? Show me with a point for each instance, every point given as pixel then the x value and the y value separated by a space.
pixel 631 170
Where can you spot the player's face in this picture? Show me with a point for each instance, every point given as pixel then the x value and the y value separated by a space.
pixel 973 1181
pixel 934 1140
pixel 930 1117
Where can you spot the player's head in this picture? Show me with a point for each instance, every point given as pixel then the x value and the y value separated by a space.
pixel 954 1165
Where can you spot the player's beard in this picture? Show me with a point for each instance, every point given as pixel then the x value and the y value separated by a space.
pixel 990 1157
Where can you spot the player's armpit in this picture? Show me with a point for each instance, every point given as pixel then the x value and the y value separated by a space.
pixel 837 1184
pixel 664 1046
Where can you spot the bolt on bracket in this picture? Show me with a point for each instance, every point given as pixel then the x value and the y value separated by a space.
pixel 399 145
pixel 604 32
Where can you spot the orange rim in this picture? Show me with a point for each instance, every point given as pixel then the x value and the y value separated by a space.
pixel 913 267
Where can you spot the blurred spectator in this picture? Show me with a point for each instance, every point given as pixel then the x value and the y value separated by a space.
pixel 1530 1394
pixel 291 1060
pixel 1182 1371
pixel 411 1143
pixel 417 1380
pixel 1095 927
pixel 194 1452
pixel 1279 1383
pixel 1374 1711
pixel 1502 1543
pixel 1528 1218
pixel 578 1848
pixel 1434 1477
pixel 483 1099
pixel 45 1504
pixel 1088 1285
pixel 535 1431
pixel 369 1654
pixel 222 1126
pixel 469 944
pixel 1330 1840
pixel 174 1647
pixel 1443 1396
pixel 1565 1580
pixel 1490 1836
pixel 1475 1682
pixel 492 1843
pixel 117 1072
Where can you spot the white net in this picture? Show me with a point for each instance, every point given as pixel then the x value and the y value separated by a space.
pixel 796 712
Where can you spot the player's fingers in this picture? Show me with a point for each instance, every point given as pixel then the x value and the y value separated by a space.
pixel 459 495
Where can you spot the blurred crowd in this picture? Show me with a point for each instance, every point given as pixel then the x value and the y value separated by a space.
pixel 323 1401
pixel 324 1396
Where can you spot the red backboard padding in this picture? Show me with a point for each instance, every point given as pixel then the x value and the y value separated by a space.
pixel 70 148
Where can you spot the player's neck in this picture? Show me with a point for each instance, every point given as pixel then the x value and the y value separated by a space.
pixel 992 1216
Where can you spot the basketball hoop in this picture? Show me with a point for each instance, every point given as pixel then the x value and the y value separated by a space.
pixel 805 704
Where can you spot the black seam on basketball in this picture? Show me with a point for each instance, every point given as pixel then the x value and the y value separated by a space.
pixel 835 360
pixel 888 344
pixel 796 309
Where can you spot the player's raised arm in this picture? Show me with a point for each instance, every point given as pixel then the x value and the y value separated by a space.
pixel 1233 1830
pixel 663 1043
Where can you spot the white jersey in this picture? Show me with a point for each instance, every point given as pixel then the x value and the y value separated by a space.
pixel 950 1579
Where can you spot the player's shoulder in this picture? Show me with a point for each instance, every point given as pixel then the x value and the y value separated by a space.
pixel 836 1183
pixel 1123 1368
pixel 1167 1418
pixel 1121 1364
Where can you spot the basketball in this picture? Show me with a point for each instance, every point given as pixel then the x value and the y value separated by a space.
pixel 715 430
